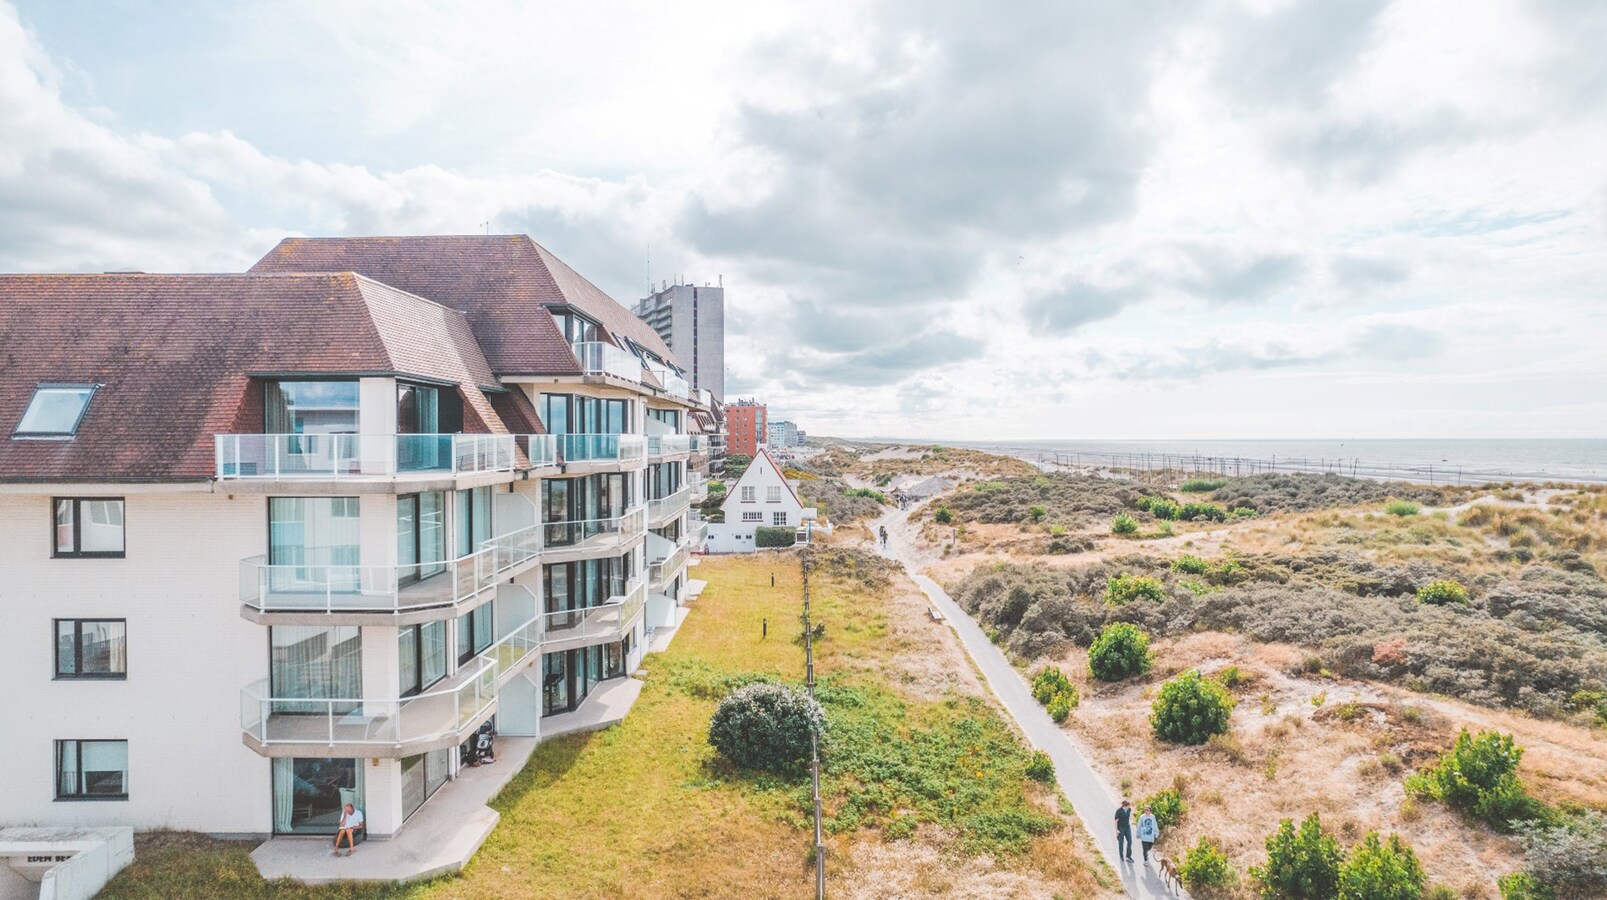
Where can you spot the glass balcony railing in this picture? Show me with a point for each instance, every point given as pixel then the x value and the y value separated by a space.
pixel 510 550
pixel 623 448
pixel 605 622
pixel 668 444
pixel 598 533
pixel 674 384
pixel 660 571
pixel 540 449
pixel 673 505
pixel 383 589
pixel 600 358
pixel 442 712
pixel 697 443
pixel 348 456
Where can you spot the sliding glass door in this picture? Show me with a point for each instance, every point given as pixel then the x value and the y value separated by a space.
pixel 309 794
pixel 313 546
pixel 421 656
pixel 421 535
pixel 318 663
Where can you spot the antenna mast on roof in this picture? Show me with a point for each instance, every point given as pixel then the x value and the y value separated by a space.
pixel 486 225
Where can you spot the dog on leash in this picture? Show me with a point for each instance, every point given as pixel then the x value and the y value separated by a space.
pixel 1169 873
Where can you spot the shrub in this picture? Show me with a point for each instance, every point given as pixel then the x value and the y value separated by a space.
pixel 1168 807
pixel 1048 683
pixel 1570 854
pixel 1381 870
pixel 1402 508
pixel 765 726
pixel 1124 524
pixel 1160 507
pixel 1523 886
pixel 1301 864
pixel 878 496
pixel 1189 564
pixel 1242 512
pixel 1442 591
pixel 1205 866
pixel 1037 513
pixel 1478 776
pixel 1192 512
pixel 1190 709
pixel 1201 485
pixel 943 516
pixel 1124 588
pixel 1063 703
pixel 734 465
pixel 1121 651
pixel 1041 768
pixel 765 536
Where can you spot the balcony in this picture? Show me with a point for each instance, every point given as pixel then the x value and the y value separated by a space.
pixel 607 449
pixel 665 508
pixel 410 591
pixel 359 457
pixel 662 570
pixel 600 358
pixel 540 449
pixel 391 727
pixel 610 621
pixel 674 384
pixel 591 538
pixel 660 445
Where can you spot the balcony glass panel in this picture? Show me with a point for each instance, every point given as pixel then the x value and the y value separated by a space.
pixel 340 456
pixel 599 358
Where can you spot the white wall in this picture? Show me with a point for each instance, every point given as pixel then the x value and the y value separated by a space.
pixel 189 654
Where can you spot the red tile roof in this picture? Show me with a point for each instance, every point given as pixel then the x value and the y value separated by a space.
pixel 175 355
pixel 502 283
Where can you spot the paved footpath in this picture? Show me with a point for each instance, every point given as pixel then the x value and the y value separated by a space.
pixel 1092 798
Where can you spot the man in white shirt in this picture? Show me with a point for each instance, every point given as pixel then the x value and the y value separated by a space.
pixel 350 820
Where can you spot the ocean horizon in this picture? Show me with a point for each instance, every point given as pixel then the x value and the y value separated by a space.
pixel 1440 460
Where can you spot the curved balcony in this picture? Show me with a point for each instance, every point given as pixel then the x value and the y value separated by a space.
pixel 610 621
pixel 661 571
pixel 391 727
pixel 664 509
pixel 356 458
pixel 591 538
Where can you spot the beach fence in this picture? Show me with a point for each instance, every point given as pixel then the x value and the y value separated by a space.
pixel 1236 466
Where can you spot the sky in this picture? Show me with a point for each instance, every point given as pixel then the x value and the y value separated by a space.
pixel 1100 220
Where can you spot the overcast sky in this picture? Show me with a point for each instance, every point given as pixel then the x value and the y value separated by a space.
pixel 1346 218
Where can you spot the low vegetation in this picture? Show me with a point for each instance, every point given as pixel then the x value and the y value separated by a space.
pixel 1304 493
pixel 1056 692
pixel 1190 709
pixel 765 726
pixel 1478 777
pixel 839 503
pixel 1121 651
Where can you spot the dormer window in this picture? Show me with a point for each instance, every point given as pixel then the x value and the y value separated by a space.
pixel 55 411
pixel 576 328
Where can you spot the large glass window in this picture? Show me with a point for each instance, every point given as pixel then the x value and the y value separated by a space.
pixel 310 407
pixel 55 411
pixel 313 544
pixel 310 794
pixel 422 775
pixel 315 662
pixel 421 535
pixel 91 648
pixel 92 770
pixel 421 656
pixel 576 414
pixel 568 677
pixel 474 632
pixel 575 327
pixel 574 508
pixel 89 526
pixel 585 583
pixel 473 517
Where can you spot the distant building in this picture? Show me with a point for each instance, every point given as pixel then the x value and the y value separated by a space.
pixel 782 434
pixel 691 320
pixel 747 427
pixel 761 498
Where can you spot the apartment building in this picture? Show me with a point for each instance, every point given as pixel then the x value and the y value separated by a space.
pixel 746 427
pixel 782 434
pixel 287 539
pixel 691 320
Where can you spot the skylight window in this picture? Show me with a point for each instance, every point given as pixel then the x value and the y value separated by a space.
pixel 55 410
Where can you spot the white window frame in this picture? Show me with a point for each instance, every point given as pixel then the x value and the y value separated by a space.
pixel 753 517
pixel 778 519
pixel 772 494
pixel 749 493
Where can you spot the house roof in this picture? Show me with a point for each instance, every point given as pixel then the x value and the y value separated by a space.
pixel 174 357
pixel 502 283
pixel 781 474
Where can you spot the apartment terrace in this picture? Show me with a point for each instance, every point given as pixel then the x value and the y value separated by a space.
pixel 382 462
pixel 594 538
pixel 592 453
pixel 663 509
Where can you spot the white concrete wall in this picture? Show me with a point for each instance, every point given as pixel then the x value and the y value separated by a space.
pixel 189 654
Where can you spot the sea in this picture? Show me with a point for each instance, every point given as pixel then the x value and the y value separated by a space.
pixel 1437 461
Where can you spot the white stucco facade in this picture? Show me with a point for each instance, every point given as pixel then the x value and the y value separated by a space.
pixel 761 498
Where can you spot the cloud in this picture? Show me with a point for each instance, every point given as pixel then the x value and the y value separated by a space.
pixel 1077 303
pixel 1230 275
pixel 1358 273
pixel 1396 342
pixel 1293 54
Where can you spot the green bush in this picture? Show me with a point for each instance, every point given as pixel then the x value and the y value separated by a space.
pixel 1301 864
pixel 734 465
pixel 1192 512
pixel 1442 591
pixel 1568 854
pixel 1125 588
pixel 943 516
pixel 1205 866
pixel 1523 886
pixel 1189 564
pixel 1038 512
pixel 1048 683
pixel 1159 507
pixel 1190 709
pixel 766 536
pixel 1201 485
pixel 1381 870
pixel 1478 776
pixel 1402 508
pixel 1242 512
pixel 878 496
pixel 1041 768
pixel 1168 807
pixel 1591 702
pixel 1063 703
pixel 1121 651
pixel 1124 524
pixel 765 726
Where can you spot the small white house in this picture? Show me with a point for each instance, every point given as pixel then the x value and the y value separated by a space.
pixel 761 498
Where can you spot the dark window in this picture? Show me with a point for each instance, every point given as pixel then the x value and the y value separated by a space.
pixel 421 650
pixel 474 633
pixel 92 770
pixel 89 526
pixel 92 648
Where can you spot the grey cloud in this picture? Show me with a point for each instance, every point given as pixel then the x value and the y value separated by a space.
pixel 1226 276
pixel 1378 341
pixel 893 361
pixel 1395 341
pixel 1294 53
pixel 1360 273
pixel 1076 304
pixel 1365 150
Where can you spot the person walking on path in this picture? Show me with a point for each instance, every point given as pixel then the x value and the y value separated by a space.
pixel 883 534
pixel 1124 830
pixel 351 819
pixel 1149 831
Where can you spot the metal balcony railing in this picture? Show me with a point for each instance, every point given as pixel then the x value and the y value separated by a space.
pixel 353 456
pixel 600 358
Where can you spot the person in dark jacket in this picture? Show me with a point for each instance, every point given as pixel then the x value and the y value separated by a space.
pixel 1124 831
